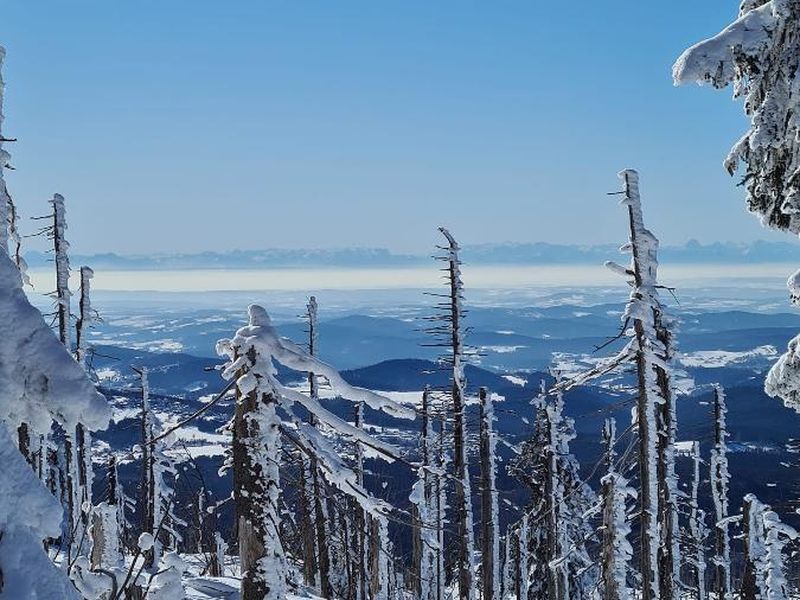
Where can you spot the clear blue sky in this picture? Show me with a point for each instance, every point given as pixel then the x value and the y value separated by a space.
pixel 194 125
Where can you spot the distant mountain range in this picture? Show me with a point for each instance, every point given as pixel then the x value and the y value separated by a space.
pixel 484 254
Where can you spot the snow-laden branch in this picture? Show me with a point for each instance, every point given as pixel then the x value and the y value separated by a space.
pixel 262 336
pixel 713 61
pixel 39 380
pixel 759 53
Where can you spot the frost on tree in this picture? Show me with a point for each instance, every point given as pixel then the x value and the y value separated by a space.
pixel 766 539
pixel 557 563
pixel 266 413
pixel 428 550
pixel 759 53
pixel 720 482
pixel 652 345
pixel 40 383
pixel 449 327
pixel 697 531
pixel 651 349
pixel 490 511
pixel 158 470
pixel 617 552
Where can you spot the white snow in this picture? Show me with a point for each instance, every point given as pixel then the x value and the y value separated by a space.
pixel 713 359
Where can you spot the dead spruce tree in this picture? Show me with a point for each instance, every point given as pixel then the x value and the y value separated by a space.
pixel 490 511
pixel 617 552
pixel 720 478
pixel 558 564
pixel 651 349
pixel 83 440
pixel 448 327
pixel 86 316
pixel 765 540
pixel 423 499
pixel 74 441
pixel 697 531
pixel 316 491
pixel 265 415
pixel 759 54
pixel 156 495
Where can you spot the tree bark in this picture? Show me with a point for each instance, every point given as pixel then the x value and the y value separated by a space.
pixel 489 532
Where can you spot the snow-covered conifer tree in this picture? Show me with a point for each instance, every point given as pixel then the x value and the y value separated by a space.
pixel 720 478
pixel 40 383
pixel 263 409
pixel 490 511
pixel 759 53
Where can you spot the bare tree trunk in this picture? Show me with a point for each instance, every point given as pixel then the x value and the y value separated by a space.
pixel 147 493
pixel 307 523
pixel 490 548
pixel 646 422
pixel 668 510
pixel 697 526
pixel 749 589
pixel 320 517
pixel 523 554
pixel 24 442
pixel 419 525
pixel 719 486
pixel 255 494
pixel 71 508
pixel 440 508
pixel 463 493
pixel 60 247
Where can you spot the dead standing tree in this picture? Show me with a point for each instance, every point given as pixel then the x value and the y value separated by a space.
pixel 720 478
pixel 265 414
pixel 449 327
pixel 655 413
pixel 320 508
pixel 490 515
pixel 651 349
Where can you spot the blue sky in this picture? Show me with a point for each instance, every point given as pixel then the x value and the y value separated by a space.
pixel 189 126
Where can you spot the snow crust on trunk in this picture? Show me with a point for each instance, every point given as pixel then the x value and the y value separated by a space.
pixel 767 541
pixel 5 199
